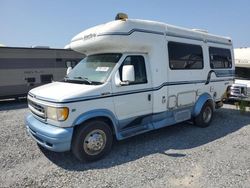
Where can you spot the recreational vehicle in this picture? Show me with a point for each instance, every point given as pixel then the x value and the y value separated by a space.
pixel 22 69
pixel 240 90
pixel 137 76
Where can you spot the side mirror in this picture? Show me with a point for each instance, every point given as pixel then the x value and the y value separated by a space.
pixel 128 73
pixel 68 70
pixel 68 64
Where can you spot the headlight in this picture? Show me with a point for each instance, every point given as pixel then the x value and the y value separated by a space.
pixel 57 114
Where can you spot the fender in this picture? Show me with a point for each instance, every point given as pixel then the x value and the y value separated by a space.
pixel 97 113
pixel 200 102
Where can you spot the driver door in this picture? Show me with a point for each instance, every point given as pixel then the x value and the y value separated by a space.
pixel 133 101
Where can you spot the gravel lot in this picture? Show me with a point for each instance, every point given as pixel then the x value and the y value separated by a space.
pixel 176 156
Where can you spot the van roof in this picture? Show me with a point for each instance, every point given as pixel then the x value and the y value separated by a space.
pixel 129 26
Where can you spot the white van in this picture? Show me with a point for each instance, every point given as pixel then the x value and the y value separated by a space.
pixel 240 90
pixel 138 76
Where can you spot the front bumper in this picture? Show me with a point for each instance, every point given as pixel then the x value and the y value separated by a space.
pixel 239 92
pixel 53 138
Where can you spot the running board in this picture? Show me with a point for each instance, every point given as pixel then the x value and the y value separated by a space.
pixel 135 131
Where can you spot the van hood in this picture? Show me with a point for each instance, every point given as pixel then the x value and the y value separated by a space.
pixel 66 92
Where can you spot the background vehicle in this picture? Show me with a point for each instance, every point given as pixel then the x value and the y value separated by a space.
pixel 22 69
pixel 240 89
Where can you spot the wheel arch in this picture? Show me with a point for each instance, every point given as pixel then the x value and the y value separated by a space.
pixel 101 114
pixel 200 102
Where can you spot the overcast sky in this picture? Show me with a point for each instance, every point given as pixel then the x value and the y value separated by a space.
pixel 54 22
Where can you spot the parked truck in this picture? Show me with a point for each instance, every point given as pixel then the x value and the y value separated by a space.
pixel 138 76
pixel 240 89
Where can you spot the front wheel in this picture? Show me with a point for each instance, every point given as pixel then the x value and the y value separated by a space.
pixel 92 141
pixel 205 116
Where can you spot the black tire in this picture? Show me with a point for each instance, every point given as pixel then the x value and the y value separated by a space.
pixel 205 116
pixel 92 141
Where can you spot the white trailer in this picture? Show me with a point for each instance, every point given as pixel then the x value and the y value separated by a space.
pixel 22 69
pixel 138 76
pixel 240 90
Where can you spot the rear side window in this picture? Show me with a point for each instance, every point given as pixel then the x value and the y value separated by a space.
pixel 220 58
pixel 185 56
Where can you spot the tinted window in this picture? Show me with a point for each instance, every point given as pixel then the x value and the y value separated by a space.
pixel 46 78
pixel 220 58
pixel 185 56
pixel 139 66
pixel 242 73
pixel 30 80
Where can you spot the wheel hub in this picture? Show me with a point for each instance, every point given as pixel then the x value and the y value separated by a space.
pixel 207 114
pixel 94 142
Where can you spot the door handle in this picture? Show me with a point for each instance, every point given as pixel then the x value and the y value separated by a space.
pixel 149 97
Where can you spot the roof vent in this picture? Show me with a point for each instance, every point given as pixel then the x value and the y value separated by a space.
pixel 121 16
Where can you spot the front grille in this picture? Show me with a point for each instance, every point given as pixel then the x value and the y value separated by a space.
pixel 36 109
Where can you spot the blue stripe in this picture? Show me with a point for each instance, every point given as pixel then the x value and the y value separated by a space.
pixel 224 73
pixel 129 92
pixel 131 31
pixel 219 73
pixel 222 80
pixel 170 34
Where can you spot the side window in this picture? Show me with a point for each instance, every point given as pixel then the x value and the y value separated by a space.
pixel 72 63
pixel 139 66
pixel 242 73
pixel 46 78
pixel 185 56
pixel 220 58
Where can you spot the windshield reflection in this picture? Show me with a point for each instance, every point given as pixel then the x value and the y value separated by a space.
pixel 94 69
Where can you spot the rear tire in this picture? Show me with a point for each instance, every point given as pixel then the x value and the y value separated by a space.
pixel 205 116
pixel 92 141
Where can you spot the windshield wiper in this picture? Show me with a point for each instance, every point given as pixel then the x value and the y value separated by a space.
pixel 83 78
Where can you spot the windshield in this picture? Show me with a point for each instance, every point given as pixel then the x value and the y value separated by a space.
pixel 242 73
pixel 94 69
